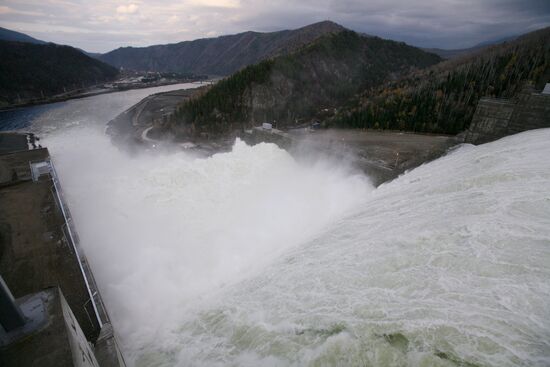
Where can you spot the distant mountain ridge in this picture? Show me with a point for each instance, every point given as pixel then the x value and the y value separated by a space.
pixel 217 56
pixel 452 53
pixel 291 89
pixel 9 35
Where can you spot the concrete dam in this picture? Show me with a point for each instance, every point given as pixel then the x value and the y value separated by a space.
pixel 51 310
pixel 326 257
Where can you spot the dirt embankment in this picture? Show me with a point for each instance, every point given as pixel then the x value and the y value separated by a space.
pixel 130 127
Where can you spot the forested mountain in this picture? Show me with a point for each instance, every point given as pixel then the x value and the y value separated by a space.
pixel 29 71
pixel 217 56
pixel 292 88
pixel 9 35
pixel 443 98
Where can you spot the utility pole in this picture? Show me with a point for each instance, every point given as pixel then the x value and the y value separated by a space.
pixel 11 316
pixel 396 159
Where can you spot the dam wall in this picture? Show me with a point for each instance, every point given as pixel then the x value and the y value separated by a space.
pixel 40 250
pixel 496 117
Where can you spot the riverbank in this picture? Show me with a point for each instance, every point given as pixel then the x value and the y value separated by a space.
pixel 93 91
pixel 129 129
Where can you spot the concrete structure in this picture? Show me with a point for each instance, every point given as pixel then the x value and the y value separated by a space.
pixel 382 155
pixel 495 118
pixel 40 249
pixel 261 134
pixel 54 339
pixel 13 142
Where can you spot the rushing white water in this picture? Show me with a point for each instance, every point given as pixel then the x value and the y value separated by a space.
pixel 249 258
pixel 161 230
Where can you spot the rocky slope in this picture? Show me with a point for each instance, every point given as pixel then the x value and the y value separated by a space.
pixel 217 56
pixel 292 89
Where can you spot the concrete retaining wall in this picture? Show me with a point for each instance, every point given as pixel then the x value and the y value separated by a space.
pixel 495 118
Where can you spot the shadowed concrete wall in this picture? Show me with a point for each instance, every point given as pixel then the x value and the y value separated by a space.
pixel 495 118
pixel 58 340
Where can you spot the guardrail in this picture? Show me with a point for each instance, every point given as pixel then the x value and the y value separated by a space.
pixel 91 285
pixel 106 338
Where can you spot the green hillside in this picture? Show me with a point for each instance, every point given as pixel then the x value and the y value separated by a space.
pixel 293 88
pixel 29 71
pixel 443 98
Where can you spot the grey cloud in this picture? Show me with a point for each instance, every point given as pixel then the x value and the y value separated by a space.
pixel 96 26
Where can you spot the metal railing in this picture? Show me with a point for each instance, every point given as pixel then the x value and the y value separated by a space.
pixel 91 285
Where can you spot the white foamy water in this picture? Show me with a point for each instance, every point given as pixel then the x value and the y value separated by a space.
pixel 163 231
pixel 249 258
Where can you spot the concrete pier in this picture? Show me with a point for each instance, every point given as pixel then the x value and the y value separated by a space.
pixel 56 338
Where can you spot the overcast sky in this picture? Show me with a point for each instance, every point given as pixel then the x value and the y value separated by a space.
pixel 103 25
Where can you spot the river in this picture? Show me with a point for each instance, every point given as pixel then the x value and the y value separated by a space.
pixel 89 111
pixel 251 258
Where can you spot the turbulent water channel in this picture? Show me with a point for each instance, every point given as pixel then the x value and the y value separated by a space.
pixel 251 258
